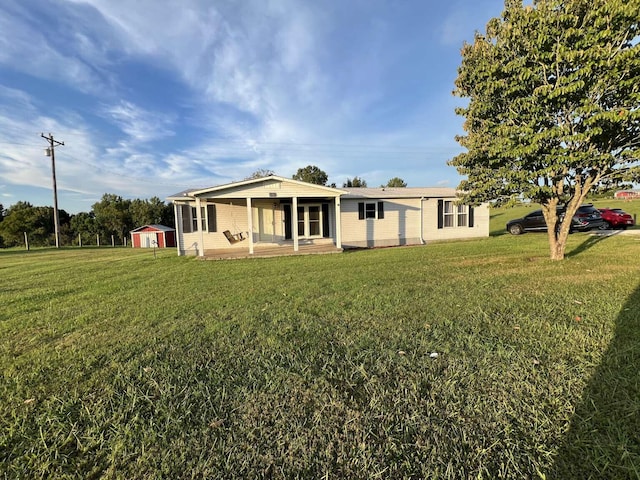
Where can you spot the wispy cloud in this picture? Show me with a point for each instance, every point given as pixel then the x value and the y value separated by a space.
pixel 138 124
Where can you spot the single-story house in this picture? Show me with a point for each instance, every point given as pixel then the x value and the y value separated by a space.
pixel 277 211
pixel 149 236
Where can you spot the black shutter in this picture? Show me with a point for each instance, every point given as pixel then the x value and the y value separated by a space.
pixel 440 213
pixel 361 211
pixel 380 210
pixel 325 220
pixel 185 210
pixel 287 221
pixel 470 217
pixel 211 217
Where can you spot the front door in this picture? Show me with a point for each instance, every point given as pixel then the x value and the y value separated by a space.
pixel 266 223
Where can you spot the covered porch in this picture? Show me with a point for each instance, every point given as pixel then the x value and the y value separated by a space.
pixel 259 217
pixel 273 250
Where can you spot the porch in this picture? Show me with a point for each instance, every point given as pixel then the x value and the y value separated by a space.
pixel 272 250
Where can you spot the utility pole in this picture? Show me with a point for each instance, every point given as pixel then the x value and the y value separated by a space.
pixel 51 152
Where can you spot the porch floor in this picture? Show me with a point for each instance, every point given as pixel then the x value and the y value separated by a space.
pixel 271 250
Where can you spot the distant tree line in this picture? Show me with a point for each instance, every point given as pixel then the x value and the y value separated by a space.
pixel 313 174
pixel 112 215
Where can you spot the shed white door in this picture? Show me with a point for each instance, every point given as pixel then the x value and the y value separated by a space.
pixel 148 239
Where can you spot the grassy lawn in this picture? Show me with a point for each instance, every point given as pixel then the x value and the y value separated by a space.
pixel 118 365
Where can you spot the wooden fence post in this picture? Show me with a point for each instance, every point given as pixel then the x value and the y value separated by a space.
pixel 26 241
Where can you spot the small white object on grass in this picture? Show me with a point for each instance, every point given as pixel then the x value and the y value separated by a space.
pixel 434 355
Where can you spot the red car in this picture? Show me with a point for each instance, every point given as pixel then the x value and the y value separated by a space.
pixel 615 218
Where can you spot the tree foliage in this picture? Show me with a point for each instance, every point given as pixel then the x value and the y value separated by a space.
pixel 260 173
pixel 553 112
pixel 355 182
pixel 112 215
pixel 396 182
pixel 311 174
pixel 37 222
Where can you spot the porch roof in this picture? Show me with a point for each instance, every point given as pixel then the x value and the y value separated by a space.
pixel 236 188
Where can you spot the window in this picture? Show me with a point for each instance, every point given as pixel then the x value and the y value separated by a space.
pixel 368 210
pixel 190 218
pixel 452 215
pixel 194 219
pixel 311 221
pixel 448 214
pixel 462 215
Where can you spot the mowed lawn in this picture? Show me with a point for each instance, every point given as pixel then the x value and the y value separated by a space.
pixel 118 365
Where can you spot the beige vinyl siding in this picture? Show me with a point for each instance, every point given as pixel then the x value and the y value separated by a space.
pixel 229 216
pixel 430 222
pixel 272 189
pixel 400 225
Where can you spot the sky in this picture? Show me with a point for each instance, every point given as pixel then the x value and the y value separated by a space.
pixel 152 97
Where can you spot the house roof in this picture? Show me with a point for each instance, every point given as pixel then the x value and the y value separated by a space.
pixel 404 192
pixel 161 228
pixel 192 193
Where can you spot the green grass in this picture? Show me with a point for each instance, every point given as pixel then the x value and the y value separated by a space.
pixel 116 365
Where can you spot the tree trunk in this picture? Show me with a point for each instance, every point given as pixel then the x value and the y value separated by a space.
pixel 557 246
pixel 557 230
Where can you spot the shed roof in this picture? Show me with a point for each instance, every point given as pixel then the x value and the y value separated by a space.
pixel 160 228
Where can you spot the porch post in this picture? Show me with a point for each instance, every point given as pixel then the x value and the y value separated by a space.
pixel 200 232
pixel 338 224
pixel 250 223
pixel 177 213
pixel 294 222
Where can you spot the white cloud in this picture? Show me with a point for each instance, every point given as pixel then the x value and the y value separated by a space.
pixel 28 50
pixel 139 124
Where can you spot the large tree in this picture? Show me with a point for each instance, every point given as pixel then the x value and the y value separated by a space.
pixel 311 174
pixel 554 106
pixel 113 216
pixel 152 211
pixel 260 173
pixel 355 182
pixel 36 222
pixel 395 182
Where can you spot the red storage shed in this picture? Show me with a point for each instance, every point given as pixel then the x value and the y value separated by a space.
pixel 151 236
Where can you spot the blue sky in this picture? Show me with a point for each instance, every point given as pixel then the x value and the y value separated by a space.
pixel 152 97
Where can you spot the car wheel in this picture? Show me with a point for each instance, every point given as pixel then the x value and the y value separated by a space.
pixel 605 226
pixel 516 229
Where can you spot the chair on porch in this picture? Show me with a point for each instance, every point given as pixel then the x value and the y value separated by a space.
pixel 233 238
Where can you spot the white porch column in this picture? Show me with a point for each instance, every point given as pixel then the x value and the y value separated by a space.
pixel 200 232
pixel 179 232
pixel 338 224
pixel 294 222
pixel 250 223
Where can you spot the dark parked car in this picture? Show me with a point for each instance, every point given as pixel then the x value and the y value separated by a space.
pixel 587 217
pixel 615 218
